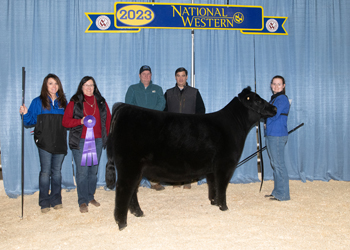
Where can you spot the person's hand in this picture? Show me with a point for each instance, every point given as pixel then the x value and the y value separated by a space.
pixel 82 120
pixel 23 110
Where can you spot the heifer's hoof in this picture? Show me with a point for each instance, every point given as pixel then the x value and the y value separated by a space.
pixel 223 208
pixel 110 185
pixel 121 226
pixel 213 202
pixel 157 187
pixel 138 213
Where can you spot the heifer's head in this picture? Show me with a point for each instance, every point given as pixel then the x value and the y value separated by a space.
pixel 254 102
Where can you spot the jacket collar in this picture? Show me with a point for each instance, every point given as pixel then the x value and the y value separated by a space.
pixel 183 88
pixel 143 86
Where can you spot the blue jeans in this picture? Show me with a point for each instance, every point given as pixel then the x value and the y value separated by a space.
pixel 275 148
pixel 50 175
pixel 145 183
pixel 86 176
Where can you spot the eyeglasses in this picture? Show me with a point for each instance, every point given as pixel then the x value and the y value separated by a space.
pixel 88 86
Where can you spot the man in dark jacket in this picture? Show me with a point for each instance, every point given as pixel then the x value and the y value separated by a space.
pixel 183 99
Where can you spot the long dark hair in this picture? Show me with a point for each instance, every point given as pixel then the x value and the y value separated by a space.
pixel 75 97
pixel 44 96
pixel 284 82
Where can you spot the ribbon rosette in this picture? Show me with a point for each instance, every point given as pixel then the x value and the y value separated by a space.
pixel 89 151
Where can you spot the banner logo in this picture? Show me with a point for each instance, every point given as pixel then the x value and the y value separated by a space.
pixel 103 22
pixel 271 25
pixel 238 17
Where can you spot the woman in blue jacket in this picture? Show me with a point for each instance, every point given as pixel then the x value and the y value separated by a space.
pixel 46 113
pixel 276 138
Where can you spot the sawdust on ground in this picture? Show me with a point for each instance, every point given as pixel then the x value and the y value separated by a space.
pixel 317 217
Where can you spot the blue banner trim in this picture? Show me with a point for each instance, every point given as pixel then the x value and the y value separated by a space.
pixel 270 27
pixel 106 25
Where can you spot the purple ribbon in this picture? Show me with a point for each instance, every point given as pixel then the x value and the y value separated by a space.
pixel 89 151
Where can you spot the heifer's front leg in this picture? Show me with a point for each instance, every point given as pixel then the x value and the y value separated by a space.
pixel 211 189
pixel 221 197
pixel 222 180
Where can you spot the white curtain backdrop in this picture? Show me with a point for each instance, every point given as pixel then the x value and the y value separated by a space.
pixel 49 37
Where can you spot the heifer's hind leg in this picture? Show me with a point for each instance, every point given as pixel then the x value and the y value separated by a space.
pixel 127 184
pixel 122 199
pixel 125 198
pixel 134 207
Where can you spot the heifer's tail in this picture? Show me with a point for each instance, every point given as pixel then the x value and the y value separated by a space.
pixel 115 108
pixel 111 175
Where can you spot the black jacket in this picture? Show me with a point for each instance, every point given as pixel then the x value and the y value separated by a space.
pixel 50 135
pixel 186 101
pixel 78 113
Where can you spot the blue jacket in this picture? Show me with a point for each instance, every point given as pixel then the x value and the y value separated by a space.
pixel 277 125
pixel 36 108
pixel 150 97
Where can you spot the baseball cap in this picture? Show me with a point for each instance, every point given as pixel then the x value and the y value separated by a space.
pixel 145 67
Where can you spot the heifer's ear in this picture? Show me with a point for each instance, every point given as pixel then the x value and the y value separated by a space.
pixel 244 92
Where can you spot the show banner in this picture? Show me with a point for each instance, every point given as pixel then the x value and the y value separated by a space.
pixel 188 16
pixel 132 17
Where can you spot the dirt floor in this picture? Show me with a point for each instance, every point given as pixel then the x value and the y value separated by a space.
pixel 317 217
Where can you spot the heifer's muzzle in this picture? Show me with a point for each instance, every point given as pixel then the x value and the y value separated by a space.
pixel 259 105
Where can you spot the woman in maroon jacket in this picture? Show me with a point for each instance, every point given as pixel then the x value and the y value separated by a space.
pixel 88 117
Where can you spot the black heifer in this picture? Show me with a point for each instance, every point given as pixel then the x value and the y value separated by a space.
pixel 172 147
